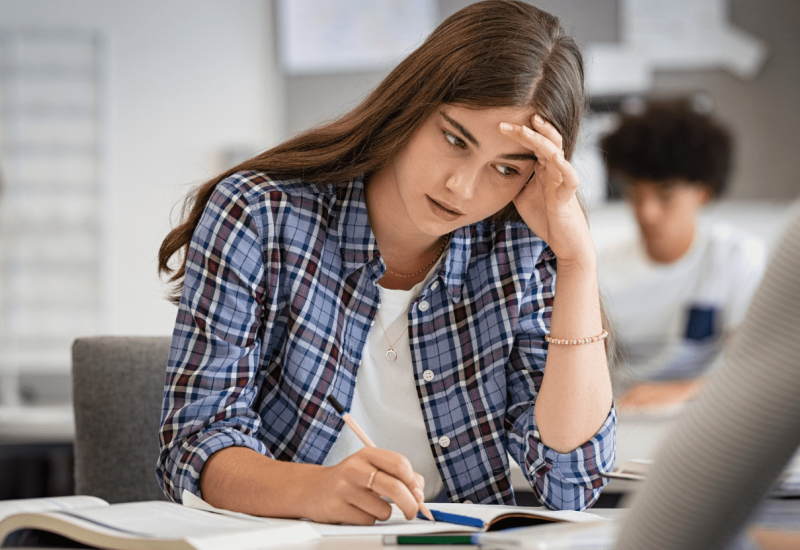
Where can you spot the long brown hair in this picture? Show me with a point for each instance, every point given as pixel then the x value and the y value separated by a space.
pixel 496 53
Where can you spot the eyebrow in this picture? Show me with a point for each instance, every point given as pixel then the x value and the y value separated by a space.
pixel 471 139
pixel 461 129
pixel 520 156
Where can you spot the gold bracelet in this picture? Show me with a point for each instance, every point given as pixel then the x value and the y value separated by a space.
pixel 578 342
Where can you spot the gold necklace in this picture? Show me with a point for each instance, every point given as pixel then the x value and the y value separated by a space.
pixel 438 254
pixel 391 353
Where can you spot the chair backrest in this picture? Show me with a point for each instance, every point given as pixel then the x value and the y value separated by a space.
pixel 117 389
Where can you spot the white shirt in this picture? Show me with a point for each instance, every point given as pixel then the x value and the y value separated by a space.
pixel 385 403
pixel 670 319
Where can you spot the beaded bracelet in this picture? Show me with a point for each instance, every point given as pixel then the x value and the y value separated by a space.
pixel 602 336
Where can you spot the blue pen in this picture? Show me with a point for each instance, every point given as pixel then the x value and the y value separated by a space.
pixel 457 519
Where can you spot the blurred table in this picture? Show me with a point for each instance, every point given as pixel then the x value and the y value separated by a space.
pixel 36 452
pixel 36 424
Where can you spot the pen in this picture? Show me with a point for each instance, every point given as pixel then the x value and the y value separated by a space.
pixel 367 441
pixel 429 539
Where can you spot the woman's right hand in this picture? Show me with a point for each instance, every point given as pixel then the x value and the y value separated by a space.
pixel 339 494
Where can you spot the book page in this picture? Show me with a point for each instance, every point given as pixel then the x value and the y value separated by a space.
pixel 158 519
pixel 11 507
pixel 165 520
pixel 397 524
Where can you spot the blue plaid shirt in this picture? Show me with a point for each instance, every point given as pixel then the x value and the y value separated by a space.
pixel 279 296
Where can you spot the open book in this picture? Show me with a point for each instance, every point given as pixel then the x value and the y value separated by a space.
pixel 450 518
pixel 496 517
pixel 140 526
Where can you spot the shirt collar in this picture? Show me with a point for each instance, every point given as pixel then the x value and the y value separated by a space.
pixel 356 240
pixel 359 247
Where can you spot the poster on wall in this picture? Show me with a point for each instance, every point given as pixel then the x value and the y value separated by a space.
pixel 327 36
pixel 671 35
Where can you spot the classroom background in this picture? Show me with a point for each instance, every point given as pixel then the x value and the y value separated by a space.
pixel 111 110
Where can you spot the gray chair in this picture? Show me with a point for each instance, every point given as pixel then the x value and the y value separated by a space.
pixel 117 389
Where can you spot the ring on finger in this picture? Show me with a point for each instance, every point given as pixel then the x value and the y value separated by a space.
pixel 371 479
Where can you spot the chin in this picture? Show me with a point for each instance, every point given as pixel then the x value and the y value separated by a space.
pixel 432 227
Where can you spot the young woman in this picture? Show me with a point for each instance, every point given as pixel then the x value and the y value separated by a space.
pixel 402 259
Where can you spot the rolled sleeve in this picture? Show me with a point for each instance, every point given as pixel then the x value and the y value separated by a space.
pixel 188 460
pixel 216 347
pixel 572 481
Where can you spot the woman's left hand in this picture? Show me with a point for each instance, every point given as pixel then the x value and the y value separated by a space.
pixel 548 203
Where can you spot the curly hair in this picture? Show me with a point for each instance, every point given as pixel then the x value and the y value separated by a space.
pixel 670 142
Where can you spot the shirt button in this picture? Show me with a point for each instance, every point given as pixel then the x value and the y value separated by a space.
pixel 423 306
pixel 468 501
pixel 427 375
pixel 444 441
pixel 435 285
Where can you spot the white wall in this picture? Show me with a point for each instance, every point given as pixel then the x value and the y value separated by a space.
pixel 186 80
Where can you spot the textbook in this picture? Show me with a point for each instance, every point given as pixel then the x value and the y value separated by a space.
pixel 450 518
pixel 495 517
pixel 140 526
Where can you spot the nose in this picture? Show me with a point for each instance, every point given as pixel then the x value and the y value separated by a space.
pixel 462 183
pixel 648 210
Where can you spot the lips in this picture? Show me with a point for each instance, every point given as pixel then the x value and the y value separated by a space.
pixel 444 210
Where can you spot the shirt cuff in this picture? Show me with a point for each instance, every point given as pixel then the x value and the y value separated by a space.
pixel 583 465
pixel 190 459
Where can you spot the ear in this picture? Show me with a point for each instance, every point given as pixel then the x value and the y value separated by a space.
pixel 702 193
pixel 705 195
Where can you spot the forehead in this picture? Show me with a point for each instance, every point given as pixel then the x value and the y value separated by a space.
pixel 488 117
pixel 673 188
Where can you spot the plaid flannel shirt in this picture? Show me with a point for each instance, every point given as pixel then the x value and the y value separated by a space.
pixel 279 296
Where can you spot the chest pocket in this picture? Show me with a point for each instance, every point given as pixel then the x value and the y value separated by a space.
pixel 701 322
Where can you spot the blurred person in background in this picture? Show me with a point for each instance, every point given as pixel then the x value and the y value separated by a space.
pixel 679 288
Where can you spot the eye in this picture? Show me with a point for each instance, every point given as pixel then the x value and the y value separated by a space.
pixel 454 140
pixel 506 171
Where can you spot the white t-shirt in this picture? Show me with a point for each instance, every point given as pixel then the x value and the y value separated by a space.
pixel 671 319
pixel 385 403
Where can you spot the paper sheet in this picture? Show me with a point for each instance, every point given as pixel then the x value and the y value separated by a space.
pixel 54 504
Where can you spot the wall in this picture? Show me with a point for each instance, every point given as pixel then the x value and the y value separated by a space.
pixel 187 80
pixel 764 113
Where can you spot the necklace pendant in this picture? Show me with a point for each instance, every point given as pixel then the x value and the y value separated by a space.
pixel 391 355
